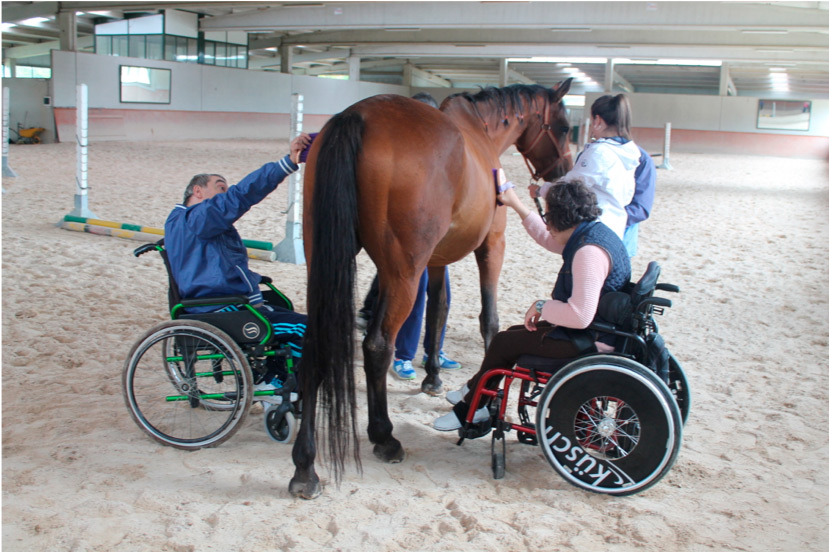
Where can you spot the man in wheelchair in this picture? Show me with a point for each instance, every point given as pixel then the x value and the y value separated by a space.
pixel 595 263
pixel 207 257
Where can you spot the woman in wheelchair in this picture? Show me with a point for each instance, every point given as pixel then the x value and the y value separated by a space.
pixel 595 263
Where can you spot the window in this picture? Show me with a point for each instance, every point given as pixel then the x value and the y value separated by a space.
pixel 155 46
pixel 27 72
pixel 145 84
pixel 784 114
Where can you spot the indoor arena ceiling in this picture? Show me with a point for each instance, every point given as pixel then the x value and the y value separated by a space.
pixel 775 49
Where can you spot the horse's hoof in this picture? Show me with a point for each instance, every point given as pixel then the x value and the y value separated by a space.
pixel 434 389
pixel 308 490
pixel 393 453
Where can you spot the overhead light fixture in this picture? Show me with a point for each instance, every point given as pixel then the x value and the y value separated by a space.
pixel 764 31
pixel 567 61
pixel 571 29
pixel 781 50
pixel 614 46
pixel 34 21
pixel 6 26
pixel 401 29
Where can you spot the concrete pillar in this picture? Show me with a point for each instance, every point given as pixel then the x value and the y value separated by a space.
pixel 68 24
pixel 608 76
pixel 503 72
pixel 724 76
pixel 354 68
pixel 286 54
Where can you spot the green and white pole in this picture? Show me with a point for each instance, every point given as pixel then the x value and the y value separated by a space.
pixel 666 149
pixel 82 140
pixel 7 171
pixel 291 249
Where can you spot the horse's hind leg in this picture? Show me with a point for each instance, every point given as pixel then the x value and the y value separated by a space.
pixel 305 482
pixel 378 348
pixel 436 313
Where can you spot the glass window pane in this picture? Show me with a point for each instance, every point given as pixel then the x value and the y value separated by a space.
pixel 137 46
pixel 169 48
pixel 209 53
pixel 221 54
pixel 243 57
pixel 154 46
pixel 120 46
pixel 103 45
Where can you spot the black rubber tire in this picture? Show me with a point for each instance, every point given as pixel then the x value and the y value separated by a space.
pixel 171 410
pixel 282 431
pixel 609 425
pixel 499 457
pixel 679 388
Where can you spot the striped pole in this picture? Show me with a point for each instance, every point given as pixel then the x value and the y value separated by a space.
pixel 256 249
pixel 82 140
pixel 7 171
pixel 291 249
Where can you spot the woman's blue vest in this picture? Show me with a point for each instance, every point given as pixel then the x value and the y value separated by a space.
pixel 593 233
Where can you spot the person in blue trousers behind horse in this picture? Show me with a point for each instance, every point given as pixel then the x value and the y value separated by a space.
pixel 405 346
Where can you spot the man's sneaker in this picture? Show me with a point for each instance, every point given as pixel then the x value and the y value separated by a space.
pixel 454 397
pixel 446 363
pixel 403 369
pixel 273 385
pixel 450 422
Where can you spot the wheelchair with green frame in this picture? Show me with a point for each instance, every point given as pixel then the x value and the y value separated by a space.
pixel 190 382
pixel 608 423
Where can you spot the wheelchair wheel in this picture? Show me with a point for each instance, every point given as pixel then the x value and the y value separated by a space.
pixel 679 388
pixel 608 425
pixel 186 384
pixel 281 427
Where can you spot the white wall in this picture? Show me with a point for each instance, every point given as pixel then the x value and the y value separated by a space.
pixel 713 113
pixel 206 88
pixel 27 108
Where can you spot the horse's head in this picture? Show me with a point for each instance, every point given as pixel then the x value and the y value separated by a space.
pixel 545 142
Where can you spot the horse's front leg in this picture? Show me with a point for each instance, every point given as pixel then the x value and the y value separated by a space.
pixel 306 483
pixel 378 348
pixel 490 258
pixel 437 311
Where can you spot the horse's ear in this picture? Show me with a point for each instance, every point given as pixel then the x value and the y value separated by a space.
pixel 562 88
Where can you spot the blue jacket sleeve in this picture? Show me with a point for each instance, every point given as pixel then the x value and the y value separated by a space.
pixel 216 215
pixel 640 206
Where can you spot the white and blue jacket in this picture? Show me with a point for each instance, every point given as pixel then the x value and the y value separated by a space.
pixel 206 253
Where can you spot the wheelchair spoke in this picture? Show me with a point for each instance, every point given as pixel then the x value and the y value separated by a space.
pixel 607 427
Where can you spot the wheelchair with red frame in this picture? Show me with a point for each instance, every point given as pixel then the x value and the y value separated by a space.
pixel 607 423
pixel 190 382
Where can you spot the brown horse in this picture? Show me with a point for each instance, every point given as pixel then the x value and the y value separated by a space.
pixel 413 186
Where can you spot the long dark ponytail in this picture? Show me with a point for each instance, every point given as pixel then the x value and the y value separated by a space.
pixel 615 111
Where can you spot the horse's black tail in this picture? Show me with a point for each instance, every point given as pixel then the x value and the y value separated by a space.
pixel 328 349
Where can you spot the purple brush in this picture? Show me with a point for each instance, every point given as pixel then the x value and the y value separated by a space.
pixel 303 155
pixel 498 176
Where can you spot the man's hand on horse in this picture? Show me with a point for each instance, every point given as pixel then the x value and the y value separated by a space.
pixel 298 144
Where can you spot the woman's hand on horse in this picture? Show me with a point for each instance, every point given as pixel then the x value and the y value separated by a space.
pixel 509 198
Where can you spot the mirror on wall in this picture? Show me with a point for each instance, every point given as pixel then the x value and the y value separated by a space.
pixel 145 84
pixel 784 114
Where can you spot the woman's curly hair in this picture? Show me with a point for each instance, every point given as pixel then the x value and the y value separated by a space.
pixel 569 203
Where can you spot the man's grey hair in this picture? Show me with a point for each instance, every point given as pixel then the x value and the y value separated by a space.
pixel 199 180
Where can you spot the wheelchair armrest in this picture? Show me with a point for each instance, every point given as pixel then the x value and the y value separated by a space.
pixel 266 280
pixel 603 327
pixel 655 301
pixel 668 287
pixel 145 248
pixel 209 301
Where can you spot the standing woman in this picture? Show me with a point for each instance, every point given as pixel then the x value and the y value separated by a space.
pixel 607 164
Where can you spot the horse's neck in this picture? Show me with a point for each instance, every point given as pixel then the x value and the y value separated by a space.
pixel 484 120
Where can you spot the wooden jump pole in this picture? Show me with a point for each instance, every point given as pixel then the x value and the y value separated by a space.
pixel 256 249
pixel 8 172
pixel 291 249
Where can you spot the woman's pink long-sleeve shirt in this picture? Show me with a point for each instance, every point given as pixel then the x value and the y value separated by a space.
pixel 591 265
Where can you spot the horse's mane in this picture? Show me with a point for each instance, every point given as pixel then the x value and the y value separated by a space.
pixel 514 96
